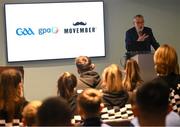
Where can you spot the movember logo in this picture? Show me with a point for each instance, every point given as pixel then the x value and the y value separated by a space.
pixel 78 30
pixel 79 23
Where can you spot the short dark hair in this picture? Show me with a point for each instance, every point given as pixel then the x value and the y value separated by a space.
pixel 152 97
pixel 89 101
pixel 83 63
pixel 54 111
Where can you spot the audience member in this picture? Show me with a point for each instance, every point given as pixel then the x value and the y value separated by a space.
pixel 29 113
pixel 132 77
pixel 167 67
pixel 54 111
pixel 152 105
pixel 12 101
pixel 67 83
pixel 88 77
pixel 113 91
pixel 90 106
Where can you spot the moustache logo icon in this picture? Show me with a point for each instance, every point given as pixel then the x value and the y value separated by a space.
pixel 79 23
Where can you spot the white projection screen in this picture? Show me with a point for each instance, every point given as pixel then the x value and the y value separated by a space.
pixel 49 31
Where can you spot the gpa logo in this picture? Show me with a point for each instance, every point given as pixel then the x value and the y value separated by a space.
pixel 24 31
pixel 43 31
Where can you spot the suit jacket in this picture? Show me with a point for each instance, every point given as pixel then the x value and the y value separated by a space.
pixel 133 45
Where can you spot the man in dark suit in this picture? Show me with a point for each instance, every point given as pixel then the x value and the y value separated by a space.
pixel 140 38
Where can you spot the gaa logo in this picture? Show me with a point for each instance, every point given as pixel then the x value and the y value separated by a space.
pixel 24 31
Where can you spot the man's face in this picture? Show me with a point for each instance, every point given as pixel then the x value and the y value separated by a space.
pixel 138 23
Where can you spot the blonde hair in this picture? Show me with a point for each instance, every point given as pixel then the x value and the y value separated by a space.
pixel 112 78
pixel 132 75
pixel 66 84
pixel 30 111
pixel 166 60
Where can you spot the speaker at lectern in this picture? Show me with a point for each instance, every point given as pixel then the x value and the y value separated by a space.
pixel 146 65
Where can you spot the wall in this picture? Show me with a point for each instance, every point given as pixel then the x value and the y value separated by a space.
pixel 178 24
pixel 161 15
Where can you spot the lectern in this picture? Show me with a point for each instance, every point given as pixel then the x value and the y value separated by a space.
pixel 146 65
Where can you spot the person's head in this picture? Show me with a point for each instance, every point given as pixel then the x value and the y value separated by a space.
pixel 29 113
pixel 54 111
pixel 66 84
pixel 138 22
pixel 152 102
pixel 10 90
pixel 132 74
pixel 166 60
pixel 90 103
pixel 83 64
pixel 112 78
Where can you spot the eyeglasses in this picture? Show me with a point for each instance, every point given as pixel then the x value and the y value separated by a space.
pixel 139 22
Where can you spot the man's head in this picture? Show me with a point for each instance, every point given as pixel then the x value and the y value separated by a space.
pixel 83 64
pixel 152 101
pixel 90 103
pixel 138 22
pixel 54 111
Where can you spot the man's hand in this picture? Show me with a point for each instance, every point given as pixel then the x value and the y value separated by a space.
pixel 142 37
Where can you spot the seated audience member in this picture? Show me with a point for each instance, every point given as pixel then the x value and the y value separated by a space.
pixel 67 83
pixel 54 111
pixel 152 105
pixel 12 101
pixel 113 91
pixel 167 67
pixel 132 78
pixel 29 113
pixel 90 106
pixel 88 77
